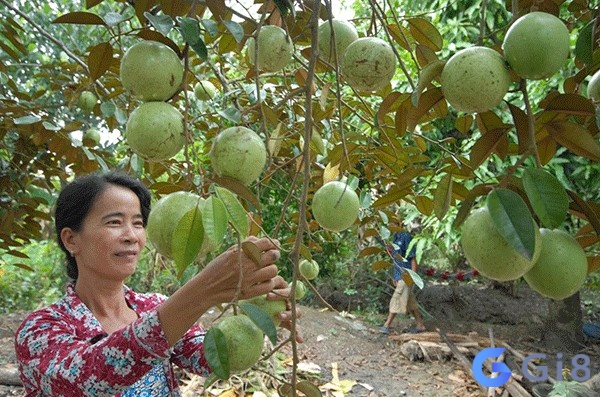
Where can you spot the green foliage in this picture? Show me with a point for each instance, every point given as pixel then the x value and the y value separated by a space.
pixel 25 290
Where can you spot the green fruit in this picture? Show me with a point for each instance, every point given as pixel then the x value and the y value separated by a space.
pixel 155 131
pixel 561 269
pixel 335 206
pixel 238 153
pixel 309 269
pixel 87 101
pixel 272 307
pixel 300 290
pixel 275 49
pixel 164 217
pixel 475 79
pixel 537 45
pixel 205 90
pixel 91 137
pixel 368 64
pixel 593 88
pixel 345 33
pixel 244 341
pixel 151 71
pixel 490 253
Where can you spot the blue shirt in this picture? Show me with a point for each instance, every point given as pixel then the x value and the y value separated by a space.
pixel 401 241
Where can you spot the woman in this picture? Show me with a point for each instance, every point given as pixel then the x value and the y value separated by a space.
pixel 102 338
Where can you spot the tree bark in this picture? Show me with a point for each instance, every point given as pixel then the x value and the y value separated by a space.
pixel 564 325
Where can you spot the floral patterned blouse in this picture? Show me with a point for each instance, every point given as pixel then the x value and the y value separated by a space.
pixel 62 350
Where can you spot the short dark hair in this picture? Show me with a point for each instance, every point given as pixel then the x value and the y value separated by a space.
pixel 77 198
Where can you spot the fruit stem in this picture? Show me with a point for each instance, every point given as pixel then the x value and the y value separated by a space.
pixel 482 22
pixel 530 124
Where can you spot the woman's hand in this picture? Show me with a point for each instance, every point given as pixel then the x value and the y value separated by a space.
pixel 242 273
pixel 282 291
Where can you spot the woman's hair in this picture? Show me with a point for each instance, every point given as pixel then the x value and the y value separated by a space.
pixel 77 198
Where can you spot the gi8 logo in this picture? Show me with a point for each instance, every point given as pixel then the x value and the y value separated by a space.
pixel 580 368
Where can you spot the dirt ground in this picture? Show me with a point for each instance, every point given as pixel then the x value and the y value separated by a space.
pixel 345 355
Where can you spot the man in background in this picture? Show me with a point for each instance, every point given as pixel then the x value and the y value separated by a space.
pixel 403 299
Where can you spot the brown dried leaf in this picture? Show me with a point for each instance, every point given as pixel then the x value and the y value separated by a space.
pixel 593 264
pixel 464 123
pixel 442 197
pixel 575 138
pixel 389 104
pixel 486 145
pixel 100 59
pixel 571 104
pixel 80 18
pixel 427 101
pixel 426 33
pixel 380 265
pixel 402 36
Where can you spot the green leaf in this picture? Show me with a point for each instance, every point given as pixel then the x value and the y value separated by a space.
pixel 210 380
pixel 231 114
pixel 27 120
pixel 113 18
pixel 513 220
pixel 584 47
pixel 190 30
pixel 235 211
pixel 120 116
pixel 162 23
pixel 216 353
pixel 214 219
pixel 107 109
pixel 50 127
pixel 211 26
pixel 237 31
pixel 416 278
pixel 547 196
pixel 353 182
pixel 262 319
pixel 187 239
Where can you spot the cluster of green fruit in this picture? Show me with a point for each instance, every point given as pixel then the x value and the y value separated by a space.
pixel 367 63
pixel 243 336
pixel 152 72
pixel 557 268
pixel 476 79
pixel 87 102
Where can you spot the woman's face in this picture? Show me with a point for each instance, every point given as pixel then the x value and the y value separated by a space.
pixel 112 236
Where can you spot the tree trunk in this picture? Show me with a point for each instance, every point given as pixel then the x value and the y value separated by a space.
pixel 564 325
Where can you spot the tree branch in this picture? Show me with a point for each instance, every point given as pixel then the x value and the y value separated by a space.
pixel 59 43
